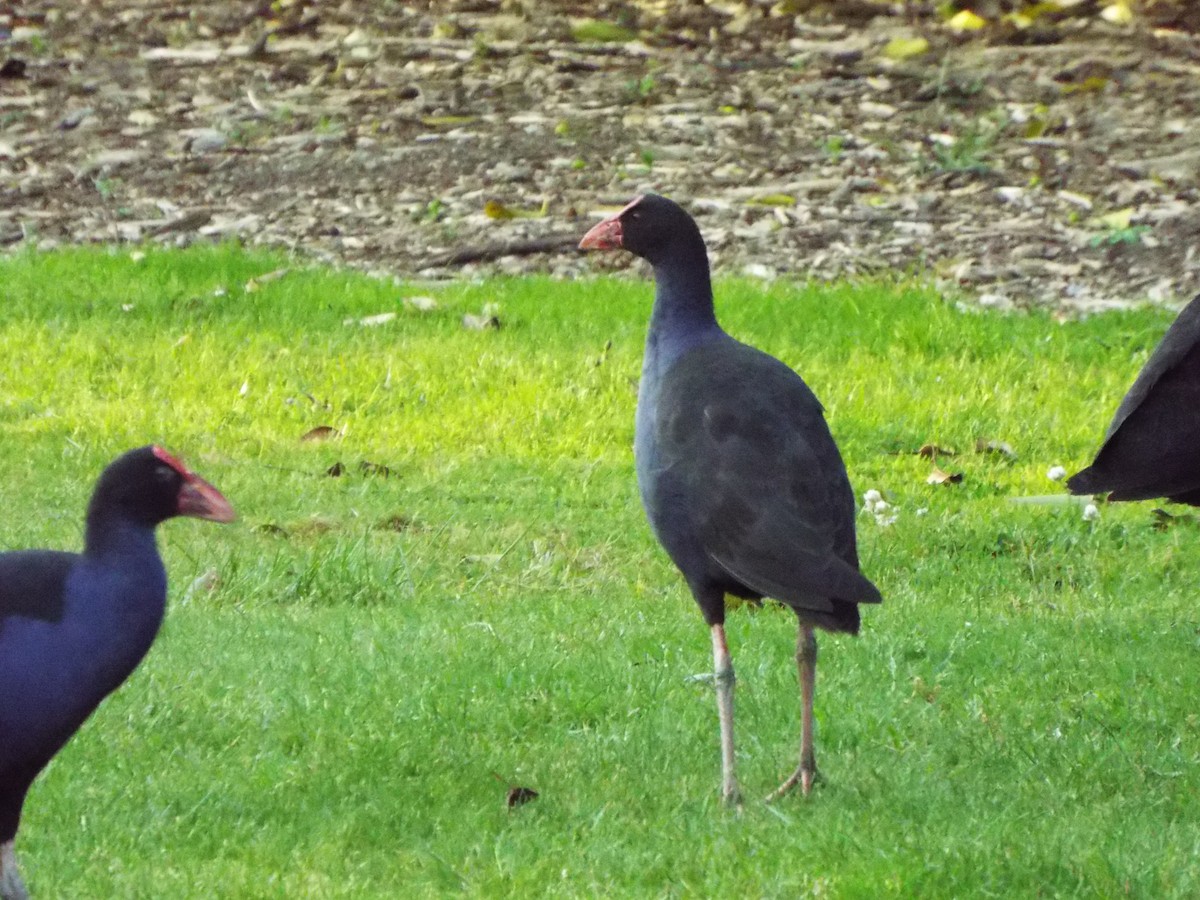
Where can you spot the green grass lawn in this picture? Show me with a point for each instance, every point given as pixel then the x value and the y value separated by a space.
pixel 1018 719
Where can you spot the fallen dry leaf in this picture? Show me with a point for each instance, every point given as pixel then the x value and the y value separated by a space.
pixel 494 209
pixel 371 468
pixel 1000 447
pixel 933 451
pixel 1164 520
pixel 940 476
pixel 905 47
pixel 1118 13
pixel 772 200
pixel 518 796
pixel 259 280
pixel 965 20
pixel 397 522
pixel 1116 220
pixel 320 433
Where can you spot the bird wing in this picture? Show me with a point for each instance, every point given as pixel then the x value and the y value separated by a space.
pixel 1152 447
pixel 1176 345
pixel 32 584
pixel 760 476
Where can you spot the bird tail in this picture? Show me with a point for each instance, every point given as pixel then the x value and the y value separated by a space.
pixel 1085 481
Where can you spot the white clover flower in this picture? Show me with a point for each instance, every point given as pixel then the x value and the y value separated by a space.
pixel 1091 513
pixel 1056 473
pixel 875 505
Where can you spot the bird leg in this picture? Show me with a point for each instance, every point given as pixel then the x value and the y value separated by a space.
pixel 11 886
pixel 806 663
pixel 724 679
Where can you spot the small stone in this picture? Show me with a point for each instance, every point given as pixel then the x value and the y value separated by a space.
pixel 759 270
pixel 421 304
pixel 472 322
pixel 508 172
pixel 204 140
pixel 74 118
pixel 877 110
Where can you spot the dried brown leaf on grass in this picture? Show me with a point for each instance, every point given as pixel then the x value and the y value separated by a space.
pixel 259 280
pixel 320 433
pixel 933 451
pixel 515 795
pixel 941 476
pixel 1000 448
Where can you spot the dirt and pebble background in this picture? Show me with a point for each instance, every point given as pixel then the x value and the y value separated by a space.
pixel 1055 165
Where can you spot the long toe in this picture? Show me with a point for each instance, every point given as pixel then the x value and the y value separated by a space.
pixel 804 776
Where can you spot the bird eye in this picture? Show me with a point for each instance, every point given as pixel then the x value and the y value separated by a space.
pixel 164 473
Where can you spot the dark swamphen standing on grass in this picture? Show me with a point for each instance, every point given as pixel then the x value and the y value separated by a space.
pixel 1152 447
pixel 739 475
pixel 74 626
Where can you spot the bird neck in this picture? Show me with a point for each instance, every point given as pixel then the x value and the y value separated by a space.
pixel 112 535
pixel 124 589
pixel 683 298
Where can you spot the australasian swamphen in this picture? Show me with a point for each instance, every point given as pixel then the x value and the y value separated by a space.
pixel 1152 447
pixel 73 626
pixel 738 473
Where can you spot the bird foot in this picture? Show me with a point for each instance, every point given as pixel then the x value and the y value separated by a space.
pixel 11 886
pixel 803 776
pixel 731 796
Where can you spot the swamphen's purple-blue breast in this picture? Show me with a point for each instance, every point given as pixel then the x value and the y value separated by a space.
pixel 1152 447
pixel 74 626
pixel 739 476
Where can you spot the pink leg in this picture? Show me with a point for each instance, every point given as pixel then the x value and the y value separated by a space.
pixel 806 663
pixel 11 886
pixel 723 674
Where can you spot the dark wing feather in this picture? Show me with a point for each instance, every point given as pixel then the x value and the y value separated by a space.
pixel 1152 447
pixel 762 479
pixel 32 584
pixel 1176 345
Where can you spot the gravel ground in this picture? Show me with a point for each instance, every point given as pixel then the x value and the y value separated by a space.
pixel 1058 166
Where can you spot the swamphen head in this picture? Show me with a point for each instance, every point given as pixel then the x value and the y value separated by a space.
pixel 650 226
pixel 149 485
pixel 73 627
